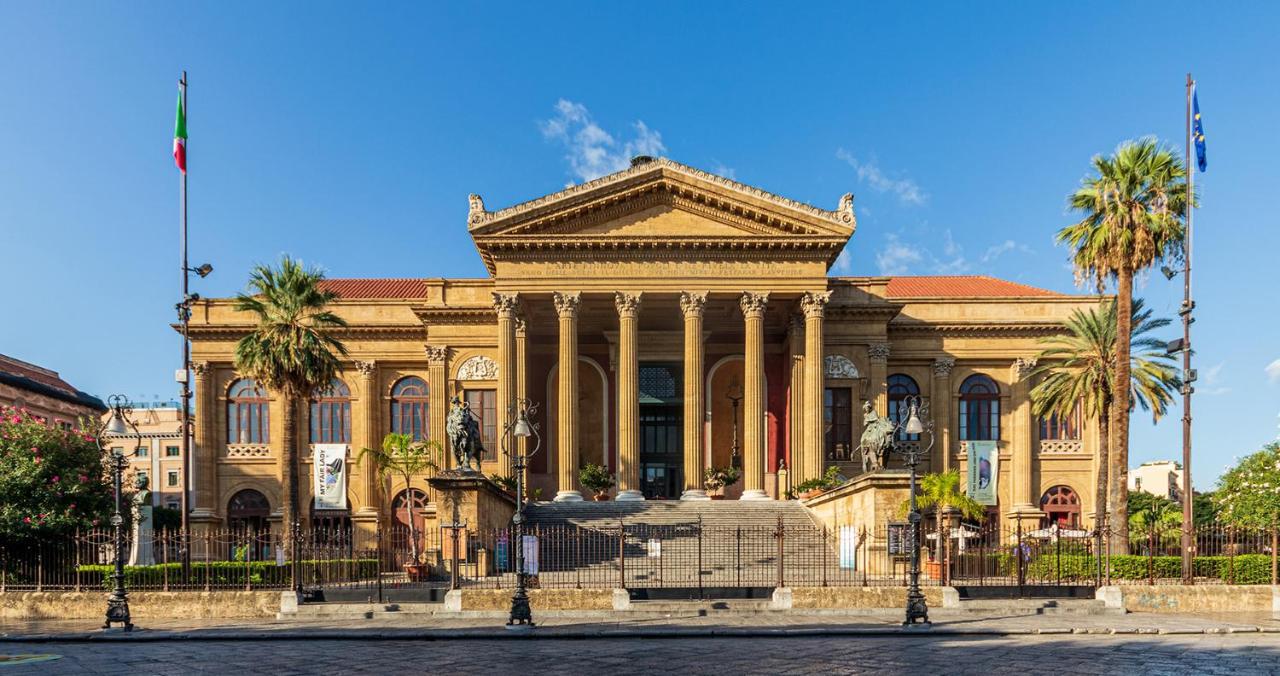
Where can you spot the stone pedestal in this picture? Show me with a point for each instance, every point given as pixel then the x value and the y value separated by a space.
pixel 870 502
pixel 472 499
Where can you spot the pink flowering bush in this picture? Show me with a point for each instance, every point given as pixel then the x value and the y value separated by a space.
pixel 38 498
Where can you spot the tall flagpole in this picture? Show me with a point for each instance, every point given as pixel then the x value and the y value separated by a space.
pixel 1188 576
pixel 184 312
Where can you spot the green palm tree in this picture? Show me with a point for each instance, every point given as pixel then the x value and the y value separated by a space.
pixel 1079 368
pixel 941 492
pixel 291 350
pixel 1132 218
pixel 405 458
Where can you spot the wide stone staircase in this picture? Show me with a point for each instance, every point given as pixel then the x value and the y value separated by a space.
pixel 729 548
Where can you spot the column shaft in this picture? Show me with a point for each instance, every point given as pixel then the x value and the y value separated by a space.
pixel 628 374
pixel 753 433
pixel 567 399
pixel 878 394
pixel 1024 492
pixel 205 447
pixel 814 305
pixel 692 306
pixel 506 306
pixel 795 416
pixel 438 399
pixel 367 436
pixel 940 403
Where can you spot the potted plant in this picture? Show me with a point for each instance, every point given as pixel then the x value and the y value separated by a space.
pixel 404 458
pixel 716 479
pixel 812 488
pixel 596 479
pixel 941 491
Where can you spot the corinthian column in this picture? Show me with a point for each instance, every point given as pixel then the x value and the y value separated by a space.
pixel 368 433
pixel 940 405
pixel 204 449
pixel 692 306
pixel 567 400
pixel 878 354
pixel 507 306
pixel 438 397
pixel 814 307
pixel 628 397
pixel 753 448
pixel 1024 493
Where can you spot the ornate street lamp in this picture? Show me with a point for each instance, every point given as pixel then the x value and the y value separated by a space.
pixel 520 427
pixel 912 453
pixel 734 395
pixel 118 425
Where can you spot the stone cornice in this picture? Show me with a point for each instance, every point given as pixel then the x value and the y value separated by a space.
pixel 978 329
pixel 457 315
pixel 374 332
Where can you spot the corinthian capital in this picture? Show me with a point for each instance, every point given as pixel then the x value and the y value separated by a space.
pixel 199 368
pixel 437 354
pixel 522 328
pixel 365 368
pixel 628 304
pixel 567 304
pixel 814 304
pixel 878 352
pixel 506 304
pixel 1023 366
pixel 942 366
pixel 692 303
pixel 753 304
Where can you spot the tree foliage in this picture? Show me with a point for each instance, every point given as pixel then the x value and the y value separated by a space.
pixel 1249 493
pixel 52 481
pixel 402 457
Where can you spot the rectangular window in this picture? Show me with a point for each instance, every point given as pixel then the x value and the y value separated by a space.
pixel 838 423
pixel 172 479
pixel 141 451
pixel 484 405
pixel 331 421
pixel 172 451
pixel 1054 427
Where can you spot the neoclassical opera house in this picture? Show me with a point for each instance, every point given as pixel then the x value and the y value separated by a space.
pixel 667 320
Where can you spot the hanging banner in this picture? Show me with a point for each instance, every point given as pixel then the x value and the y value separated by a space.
pixel 984 470
pixel 849 547
pixel 329 476
pixel 530 544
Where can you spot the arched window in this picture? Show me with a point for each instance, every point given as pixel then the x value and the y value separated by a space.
pixel 331 414
pixel 979 409
pixel 247 517
pixel 408 505
pixel 1061 507
pixel 900 387
pixel 409 407
pixel 248 417
pixel 1061 427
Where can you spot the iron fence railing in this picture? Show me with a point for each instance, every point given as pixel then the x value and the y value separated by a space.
pixel 690 556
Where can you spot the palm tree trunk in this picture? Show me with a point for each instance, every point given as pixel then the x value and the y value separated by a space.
pixel 1100 495
pixel 1121 390
pixel 942 547
pixel 290 477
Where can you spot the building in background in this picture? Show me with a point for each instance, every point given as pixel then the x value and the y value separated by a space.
pixel 157 450
pixel 43 393
pixel 1161 477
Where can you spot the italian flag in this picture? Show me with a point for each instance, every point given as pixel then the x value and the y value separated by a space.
pixel 180 137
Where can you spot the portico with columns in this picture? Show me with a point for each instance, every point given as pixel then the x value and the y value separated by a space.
pixel 667 321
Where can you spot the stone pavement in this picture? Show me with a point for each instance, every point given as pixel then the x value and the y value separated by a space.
pixel 919 653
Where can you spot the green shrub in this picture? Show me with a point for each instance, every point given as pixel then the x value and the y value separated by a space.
pixel 225 573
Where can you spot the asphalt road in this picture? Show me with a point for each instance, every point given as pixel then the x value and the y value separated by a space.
pixel 1235 654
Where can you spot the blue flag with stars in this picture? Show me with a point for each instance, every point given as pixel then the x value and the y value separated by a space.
pixel 1197 130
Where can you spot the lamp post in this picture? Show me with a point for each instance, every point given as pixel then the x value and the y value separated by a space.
pixel 734 395
pixel 912 453
pixel 118 601
pixel 520 427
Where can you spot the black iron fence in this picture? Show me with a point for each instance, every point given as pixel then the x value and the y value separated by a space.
pixel 636 556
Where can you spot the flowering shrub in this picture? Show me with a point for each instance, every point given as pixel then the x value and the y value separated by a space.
pixel 51 480
pixel 1249 493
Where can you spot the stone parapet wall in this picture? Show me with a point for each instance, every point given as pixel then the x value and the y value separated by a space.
pixel 539 599
pixel 60 605
pixel 1176 598
pixel 844 598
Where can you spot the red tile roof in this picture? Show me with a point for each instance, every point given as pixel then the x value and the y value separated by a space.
pixel 960 286
pixel 377 288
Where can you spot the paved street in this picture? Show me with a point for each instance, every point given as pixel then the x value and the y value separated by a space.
pixel 1076 654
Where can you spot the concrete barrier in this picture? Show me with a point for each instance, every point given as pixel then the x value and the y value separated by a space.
pixel 1177 598
pixel 64 605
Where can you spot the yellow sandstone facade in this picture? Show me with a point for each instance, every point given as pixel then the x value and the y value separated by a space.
pixel 666 320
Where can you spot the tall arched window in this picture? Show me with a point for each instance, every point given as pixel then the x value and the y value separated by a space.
pixel 1054 426
pixel 409 407
pixel 248 414
pixel 248 518
pixel 900 387
pixel 979 409
pixel 1061 506
pixel 331 414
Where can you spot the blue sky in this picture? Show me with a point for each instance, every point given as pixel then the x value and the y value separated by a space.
pixel 352 138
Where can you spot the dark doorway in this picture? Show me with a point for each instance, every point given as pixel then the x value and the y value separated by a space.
pixel 661 431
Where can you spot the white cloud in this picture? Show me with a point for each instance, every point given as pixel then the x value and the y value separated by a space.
pixel 1273 371
pixel 906 190
pixel 592 151
pixel 1212 381
pixel 719 169
pixel 897 258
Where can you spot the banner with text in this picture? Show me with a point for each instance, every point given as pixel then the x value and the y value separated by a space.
pixel 984 470
pixel 329 476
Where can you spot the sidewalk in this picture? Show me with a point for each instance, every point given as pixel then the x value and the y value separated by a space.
pixel 563 626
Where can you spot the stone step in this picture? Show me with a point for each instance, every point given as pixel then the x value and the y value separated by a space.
pixel 1038 607
pixel 353 611
pixel 706 607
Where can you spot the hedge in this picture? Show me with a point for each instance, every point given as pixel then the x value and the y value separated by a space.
pixel 1242 569
pixel 229 572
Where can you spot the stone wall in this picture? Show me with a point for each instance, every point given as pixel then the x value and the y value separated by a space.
pixel 142 605
pixel 1192 598
pixel 859 597
pixel 539 599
